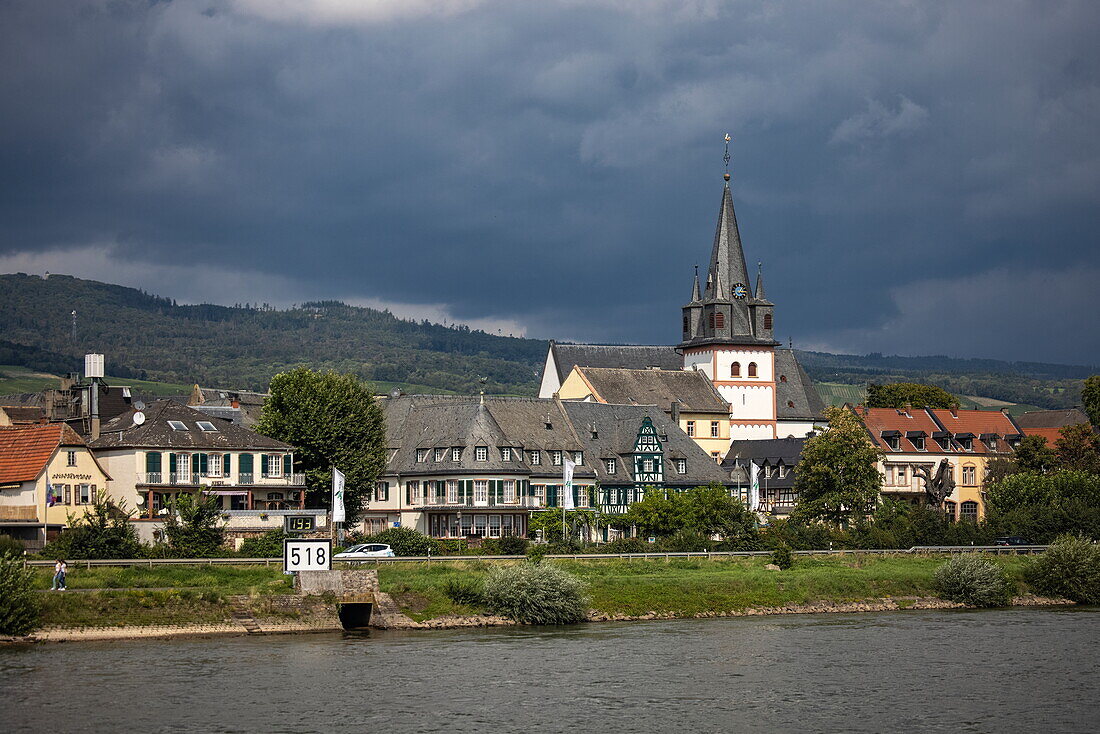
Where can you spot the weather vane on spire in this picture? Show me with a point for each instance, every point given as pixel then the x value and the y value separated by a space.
pixel 726 157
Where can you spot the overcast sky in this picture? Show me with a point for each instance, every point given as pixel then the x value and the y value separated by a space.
pixel 916 177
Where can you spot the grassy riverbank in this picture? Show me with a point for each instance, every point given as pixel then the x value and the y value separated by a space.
pixel 686 587
pixel 677 587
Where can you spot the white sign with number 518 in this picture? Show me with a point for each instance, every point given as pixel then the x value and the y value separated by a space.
pixel 307 554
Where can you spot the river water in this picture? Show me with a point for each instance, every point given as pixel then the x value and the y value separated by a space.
pixel 1021 670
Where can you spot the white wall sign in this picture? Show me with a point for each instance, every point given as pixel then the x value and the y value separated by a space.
pixel 307 554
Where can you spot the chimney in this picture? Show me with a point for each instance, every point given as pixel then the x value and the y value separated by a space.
pixel 235 403
pixel 908 410
pixel 676 412
pixel 955 410
pixel 93 370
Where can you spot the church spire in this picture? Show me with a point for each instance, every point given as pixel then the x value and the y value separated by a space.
pixel 696 297
pixel 760 281
pixel 727 256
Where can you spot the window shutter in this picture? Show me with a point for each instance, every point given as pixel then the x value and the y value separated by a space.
pixel 204 464
pixel 467 491
pixel 263 465
pixel 245 465
pixel 226 465
pixel 194 464
pixel 288 463
pixel 172 462
pixel 408 494
pixel 152 462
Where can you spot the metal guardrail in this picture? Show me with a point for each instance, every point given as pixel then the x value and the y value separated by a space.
pixel 915 550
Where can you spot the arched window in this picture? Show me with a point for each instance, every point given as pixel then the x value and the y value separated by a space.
pixel 719 320
pixel 949 510
pixel 735 369
pixel 968 511
pixel 752 369
pixel 767 321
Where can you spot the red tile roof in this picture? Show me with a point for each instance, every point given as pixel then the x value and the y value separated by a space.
pixel 26 450
pixel 977 422
pixel 1050 434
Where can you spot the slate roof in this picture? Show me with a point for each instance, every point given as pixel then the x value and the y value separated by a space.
pixel 430 422
pixel 155 432
pixel 25 451
pixel 655 387
pixel 797 397
pixel 623 356
pixel 768 452
pixel 1051 418
pixel 249 404
pixel 24 413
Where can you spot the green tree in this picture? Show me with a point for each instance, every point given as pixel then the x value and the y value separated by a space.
pixel 1078 448
pixel 705 511
pixel 105 531
pixel 1090 397
pixel 332 420
pixel 837 477
pixel 1040 507
pixel 193 526
pixel 1033 455
pixel 898 394
pixel 576 522
pixel 655 514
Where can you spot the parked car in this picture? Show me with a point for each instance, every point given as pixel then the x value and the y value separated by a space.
pixel 365 551
pixel 1011 540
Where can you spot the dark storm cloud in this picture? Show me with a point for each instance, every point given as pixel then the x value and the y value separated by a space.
pixel 915 177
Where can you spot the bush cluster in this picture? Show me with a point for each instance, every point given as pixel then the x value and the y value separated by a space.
pixel 973 580
pixel 9 546
pixel 464 591
pixel 268 545
pixel 783 557
pixel 1070 568
pixel 403 541
pixel 534 594
pixel 18 606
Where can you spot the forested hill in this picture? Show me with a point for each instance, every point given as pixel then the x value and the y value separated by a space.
pixel 146 336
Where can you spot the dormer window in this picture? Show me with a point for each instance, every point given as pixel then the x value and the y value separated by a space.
pixel 536 458
pixel 610 466
pixel 945 443
pixel 682 466
pixel 177 425
pixel 481 453
pixel 892 439
pixel 967 444
pixel 578 457
pixel 555 458
pixel 456 454
pixel 439 454
pixel 918 443
pixel 506 453
pixel 421 455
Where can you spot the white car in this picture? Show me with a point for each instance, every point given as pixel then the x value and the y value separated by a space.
pixel 365 551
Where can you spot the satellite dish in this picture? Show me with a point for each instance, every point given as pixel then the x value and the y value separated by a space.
pixel 139 418
pixel 138 405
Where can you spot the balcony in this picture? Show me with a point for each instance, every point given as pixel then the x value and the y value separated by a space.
pixel 188 479
pixel 519 503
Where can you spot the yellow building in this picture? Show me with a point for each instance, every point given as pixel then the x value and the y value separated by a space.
pixel 687 397
pixel 48 478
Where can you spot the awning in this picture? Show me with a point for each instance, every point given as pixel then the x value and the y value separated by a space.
pixel 226 492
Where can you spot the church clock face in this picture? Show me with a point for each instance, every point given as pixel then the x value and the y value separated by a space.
pixel 740 291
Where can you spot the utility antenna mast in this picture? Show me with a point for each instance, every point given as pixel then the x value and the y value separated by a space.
pixel 74 326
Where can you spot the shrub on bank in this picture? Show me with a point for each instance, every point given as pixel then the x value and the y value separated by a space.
pixel 534 594
pixel 625 545
pixel 268 545
pixel 103 532
pixel 1069 568
pixel 18 606
pixel 9 546
pixel 783 557
pixel 685 541
pixel 536 553
pixel 404 541
pixel 973 580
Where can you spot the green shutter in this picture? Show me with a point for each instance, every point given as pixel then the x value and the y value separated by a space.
pixel 204 464
pixel 408 494
pixel 467 491
pixel 263 465
pixel 194 464
pixel 245 464
pixel 288 465
pixel 172 463
pixel 226 465
pixel 152 462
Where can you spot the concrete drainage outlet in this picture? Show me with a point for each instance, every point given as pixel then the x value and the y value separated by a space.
pixel 355 612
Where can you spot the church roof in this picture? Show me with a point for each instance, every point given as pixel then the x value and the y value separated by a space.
pixel 628 356
pixel 727 258
pixel 796 397
pixel 695 392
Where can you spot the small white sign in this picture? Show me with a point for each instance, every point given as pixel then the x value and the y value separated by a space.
pixel 307 554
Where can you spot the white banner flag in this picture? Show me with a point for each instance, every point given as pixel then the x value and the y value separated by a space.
pixel 754 487
pixel 567 485
pixel 337 495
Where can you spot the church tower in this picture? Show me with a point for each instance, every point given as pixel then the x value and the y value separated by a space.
pixel 728 330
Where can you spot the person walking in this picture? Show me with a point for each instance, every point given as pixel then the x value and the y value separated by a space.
pixel 59 570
